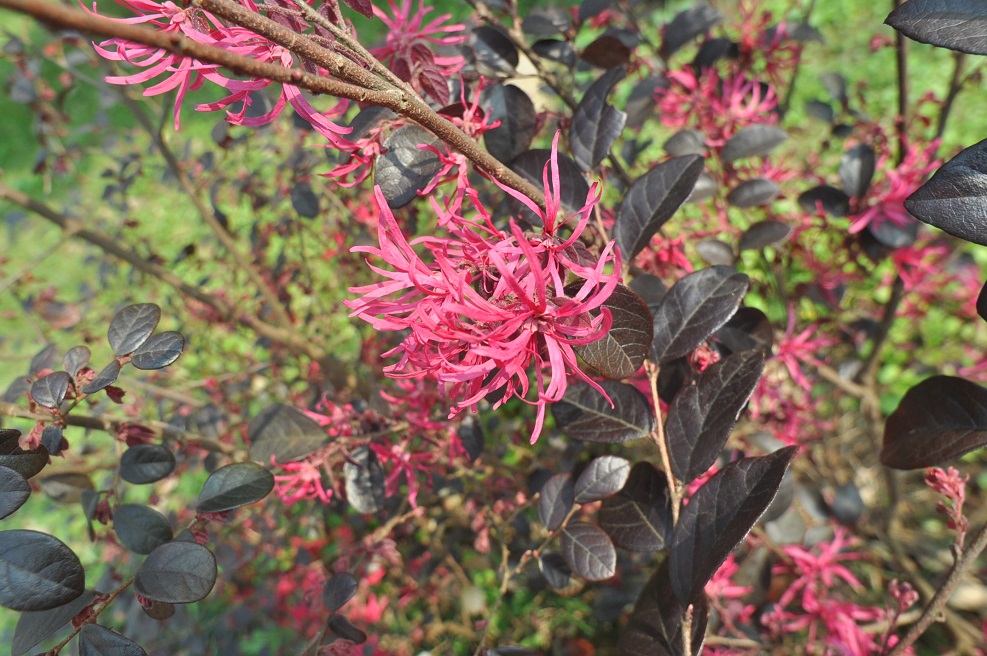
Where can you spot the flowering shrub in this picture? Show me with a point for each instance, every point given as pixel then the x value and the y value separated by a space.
pixel 710 336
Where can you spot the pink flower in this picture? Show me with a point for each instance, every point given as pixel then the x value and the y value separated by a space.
pixel 885 200
pixel 951 485
pixel 301 480
pixel 489 304
pixel 795 349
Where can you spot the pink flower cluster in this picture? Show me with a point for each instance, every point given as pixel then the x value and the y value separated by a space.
pixel 486 304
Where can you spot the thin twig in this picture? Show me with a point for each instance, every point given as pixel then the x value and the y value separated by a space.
pixel 658 435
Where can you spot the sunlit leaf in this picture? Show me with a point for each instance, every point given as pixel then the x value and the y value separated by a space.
pixel 588 551
pixel 177 572
pixel 585 414
pixel 131 327
pixel 955 198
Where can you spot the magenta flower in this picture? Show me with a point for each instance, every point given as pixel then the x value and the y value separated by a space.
pixel 885 200
pixel 489 304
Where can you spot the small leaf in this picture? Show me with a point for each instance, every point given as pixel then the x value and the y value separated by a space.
pixel 472 437
pixel 716 252
pixel 821 110
pixel 284 433
pixel 959 25
pixel 588 551
pixel 686 26
pixel 553 567
pixel 556 50
pixel 937 421
pixel 97 640
pixel 892 235
pixel 655 626
pixel 159 351
pixel 718 517
pixel 146 463
pixel 748 329
pixel 596 124
pixel 363 7
pixel 233 486
pixel 712 51
pixel 339 589
pixel 37 571
pixel 585 414
pixel 25 463
pixel 494 51
pixel 67 487
pixel 304 201
pixel 686 142
pixel 106 377
pixel 694 308
pixel 50 391
pixel 704 412
pixel 652 200
pixel 404 169
pixel 344 629
pixel 45 359
pixel 515 111
pixel 602 478
pixel 141 529
pixel 753 141
pixel 607 52
pixel 35 626
pixel 546 21
pixel 622 351
pixel 857 170
pixel 640 104
pixel 131 327
pixel 177 572
pixel 833 201
pixel 754 192
pixel 763 234
pixel 51 439
pixel 982 303
pixel 555 500
pixel 639 517
pixel 706 187
pixel 364 480
pixel 14 491
pixel 955 198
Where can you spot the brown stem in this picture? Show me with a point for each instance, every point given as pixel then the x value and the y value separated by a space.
pixel 658 435
pixel 97 611
pixel 955 84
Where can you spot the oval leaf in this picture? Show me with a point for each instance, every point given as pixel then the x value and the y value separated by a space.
pixel 106 377
pixel 67 487
pixel 959 25
pixel 404 169
pixel 763 234
pixel 304 201
pixel 752 193
pixel 33 627
pixel 339 589
pixel 146 463
pixel 596 124
pixel 364 480
pixel 639 517
pixel 50 391
pixel 515 111
pixel 494 51
pixel 607 52
pixel 686 142
pixel 177 573
pixel 602 478
pixel 141 529
pixel 704 412
pixel 833 201
pixel 37 571
pixel 936 422
pixel 857 170
pixel 45 359
pixel 555 500
pixel 235 485
pixel 655 626
pixel 753 141
pixel 622 351
pixel 25 463
pixel 652 200
pixel 284 433
pixel 97 640
pixel 955 198
pixel 131 327
pixel 344 629
pixel 686 26
pixel 716 252
pixel 588 551
pixel 585 414
pixel 555 570
pixel 159 351
pixel 719 516
pixel 14 491
pixel 694 308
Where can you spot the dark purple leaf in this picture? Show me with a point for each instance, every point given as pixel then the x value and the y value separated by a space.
pixel 284 433
pixel 131 327
pixel 50 391
pixel 892 235
pixel 639 517
pixel 650 288
pixel 857 170
pixel 515 111
pixel 146 463
pixel 45 359
pixel 848 506
pixel 655 626
pixel 716 252
pixel 585 414
pixel 836 86
pixel 177 572
pixel 622 351
pixel 763 234
pixel 607 52
pixel 159 351
pixel 68 487
pixel 364 480
pixel 404 169
pixel 366 120
pixel 14 491
pixel 75 359
pixel 718 517
pixel 37 571
pixel 106 377
pixel 834 202
pixel 588 551
pixel 652 200
pixel 705 188
pixel 531 164
pixel 546 21
pixel 590 8
pixel 97 640
pixel 694 308
pixel 821 110
pixel 686 26
pixel 25 463
pixel 686 142
pixel 493 51
pixel 959 25
pixel 338 590
pixel 363 7
pixel 754 192
pixel 936 422
pixel 982 303
pixel 704 412
pixel 555 500
pixel 556 50
pixel 555 570
pixel 753 141
pixel 602 478
pixel 16 390
pixel 344 629
pixel 712 51
pixel 748 329
pixel 304 201
pixel 35 626
pixel 235 485
pixel 472 437
pixel 640 105
pixel 955 198
pixel 140 528
pixel 596 124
